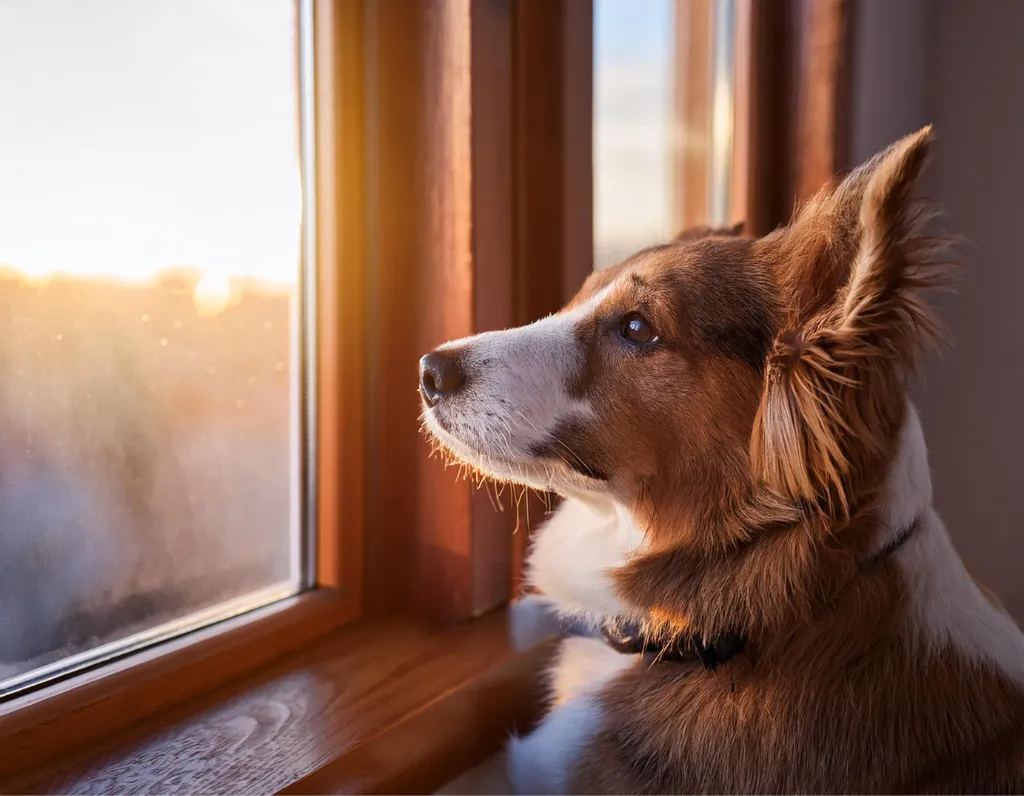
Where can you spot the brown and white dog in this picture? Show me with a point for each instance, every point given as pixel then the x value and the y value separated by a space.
pixel 748 516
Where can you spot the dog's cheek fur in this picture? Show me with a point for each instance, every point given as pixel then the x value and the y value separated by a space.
pixel 677 432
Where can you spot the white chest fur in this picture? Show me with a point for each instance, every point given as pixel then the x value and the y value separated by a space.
pixel 574 554
pixel 571 563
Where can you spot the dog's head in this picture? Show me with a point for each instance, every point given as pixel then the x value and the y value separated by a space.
pixel 701 373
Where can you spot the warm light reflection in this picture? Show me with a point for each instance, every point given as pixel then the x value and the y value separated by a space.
pixel 212 294
pixel 150 244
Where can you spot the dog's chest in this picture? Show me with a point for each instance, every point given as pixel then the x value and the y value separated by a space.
pixel 575 555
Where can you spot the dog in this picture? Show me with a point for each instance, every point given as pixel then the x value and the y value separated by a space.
pixel 772 603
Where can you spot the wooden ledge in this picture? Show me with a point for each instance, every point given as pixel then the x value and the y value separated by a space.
pixel 385 706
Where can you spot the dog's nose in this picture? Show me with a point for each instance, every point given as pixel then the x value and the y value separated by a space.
pixel 440 375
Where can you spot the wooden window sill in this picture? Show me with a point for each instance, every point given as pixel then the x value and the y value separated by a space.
pixel 381 706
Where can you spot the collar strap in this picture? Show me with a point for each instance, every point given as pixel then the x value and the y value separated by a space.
pixel 629 638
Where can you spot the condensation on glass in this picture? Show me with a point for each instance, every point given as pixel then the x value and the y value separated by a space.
pixel 644 137
pixel 151 294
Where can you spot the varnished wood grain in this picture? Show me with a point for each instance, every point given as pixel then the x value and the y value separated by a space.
pixel 577 113
pixel 743 132
pixel 797 102
pixel 445 523
pixel 822 93
pixel 439 176
pixel 465 543
pixel 763 77
pixel 379 707
pixel 692 113
pixel 395 196
pixel 341 292
pixel 48 724
pixel 448 736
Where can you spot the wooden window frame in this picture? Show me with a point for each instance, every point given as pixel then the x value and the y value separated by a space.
pixel 453 171
pixel 408 151
pixel 49 722
pixel 791 73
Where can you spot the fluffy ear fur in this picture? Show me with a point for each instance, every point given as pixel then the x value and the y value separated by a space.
pixel 851 269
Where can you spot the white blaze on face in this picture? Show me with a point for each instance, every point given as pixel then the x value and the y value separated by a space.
pixel 515 394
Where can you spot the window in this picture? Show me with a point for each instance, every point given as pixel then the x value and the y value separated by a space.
pixel 453 194
pixel 665 90
pixel 151 346
pixel 633 132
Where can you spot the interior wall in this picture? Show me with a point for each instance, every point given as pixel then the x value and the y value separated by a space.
pixel 959 65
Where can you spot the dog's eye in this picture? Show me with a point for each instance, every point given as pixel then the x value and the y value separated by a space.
pixel 636 329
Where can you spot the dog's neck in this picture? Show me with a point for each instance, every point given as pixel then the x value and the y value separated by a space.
pixel 579 549
pixel 908 490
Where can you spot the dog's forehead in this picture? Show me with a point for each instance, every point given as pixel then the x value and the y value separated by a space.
pixel 689 269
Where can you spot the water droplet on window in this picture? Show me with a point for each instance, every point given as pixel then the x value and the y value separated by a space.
pixel 60 336
pixel 210 368
pixel 267 325
pixel 178 324
pixel 240 403
pixel 145 318
pixel 252 380
pixel 279 366
pixel 163 341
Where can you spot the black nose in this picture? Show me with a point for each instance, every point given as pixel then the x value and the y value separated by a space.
pixel 440 375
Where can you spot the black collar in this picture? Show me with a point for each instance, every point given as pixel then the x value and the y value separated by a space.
pixel 629 637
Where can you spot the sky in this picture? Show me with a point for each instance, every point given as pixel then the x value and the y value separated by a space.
pixel 137 135
pixel 632 124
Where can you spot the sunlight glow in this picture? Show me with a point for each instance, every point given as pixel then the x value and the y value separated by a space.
pixel 212 294
pixel 145 137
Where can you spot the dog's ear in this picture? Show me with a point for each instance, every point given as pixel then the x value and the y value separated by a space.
pixel 699 233
pixel 851 268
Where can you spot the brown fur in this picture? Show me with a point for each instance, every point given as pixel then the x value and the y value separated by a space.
pixel 758 482
pixel 752 441
pixel 850 703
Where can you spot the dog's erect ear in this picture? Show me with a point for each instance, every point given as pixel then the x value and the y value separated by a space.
pixel 851 268
pixel 699 233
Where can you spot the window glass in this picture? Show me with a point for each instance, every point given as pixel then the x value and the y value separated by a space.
pixel 633 62
pixel 150 231
pixel 664 105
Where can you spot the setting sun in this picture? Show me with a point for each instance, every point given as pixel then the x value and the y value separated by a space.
pixel 212 294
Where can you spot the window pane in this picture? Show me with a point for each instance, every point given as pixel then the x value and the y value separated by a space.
pixel 633 61
pixel 664 101
pixel 150 222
